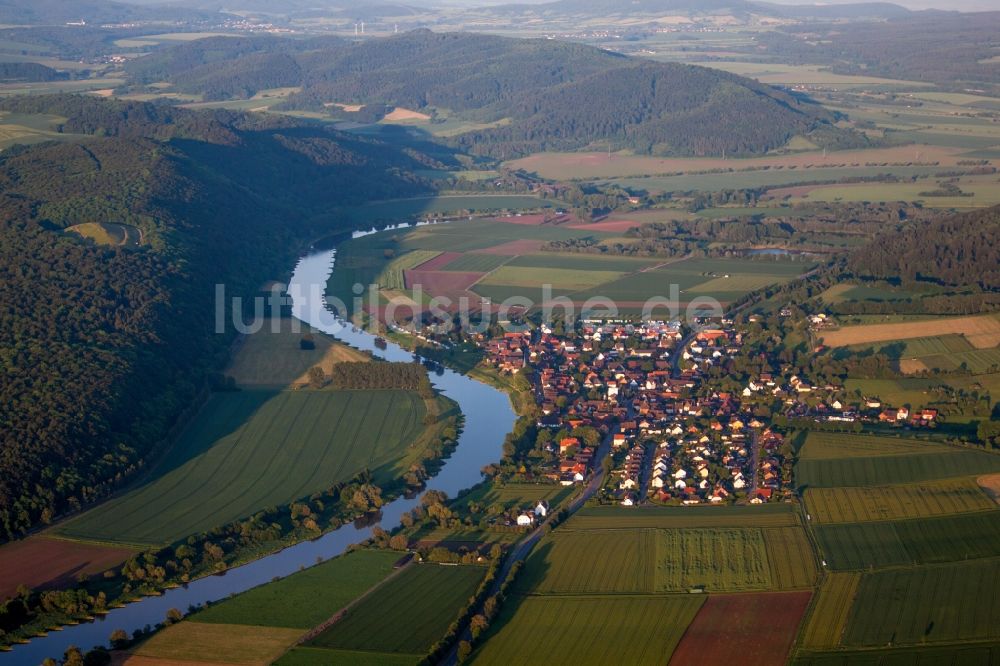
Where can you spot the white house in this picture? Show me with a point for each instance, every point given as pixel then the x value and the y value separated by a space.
pixel 525 520
pixel 541 510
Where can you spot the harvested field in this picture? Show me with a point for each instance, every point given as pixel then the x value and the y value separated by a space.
pixel 219 643
pixel 982 332
pixel 400 114
pixel 589 630
pixel 916 500
pixel 40 562
pixel 991 486
pixel 753 629
pixel 833 445
pixel 829 615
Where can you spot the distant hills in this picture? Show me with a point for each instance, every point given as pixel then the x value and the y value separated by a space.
pixel 703 7
pixel 538 94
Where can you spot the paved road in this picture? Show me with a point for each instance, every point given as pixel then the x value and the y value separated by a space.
pixel 523 548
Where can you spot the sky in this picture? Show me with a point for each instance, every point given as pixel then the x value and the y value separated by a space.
pixel 952 5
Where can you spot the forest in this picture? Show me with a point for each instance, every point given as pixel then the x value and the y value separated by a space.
pixel 556 96
pixel 103 348
pixel 953 250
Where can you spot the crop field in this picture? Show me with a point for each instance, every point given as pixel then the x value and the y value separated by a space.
pixel 913 391
pixel 391 276
pixel 40 562
pixel 750 629
pixel 832 446
pixel 927 605
pixel 958 654
pixel 566 279
pixel 478 263
pixel 306 598
pixel 248 450
pixel 589 630
pixel 982 332
pixel 486 233
pixel 218 644
pixel 830 611
pixel 273 356
pixel 858 546
pixel 406 615
pixel 309 656
pixel 977 361
pixel 614 517
pixel 581 262
pixel 716 559
pixel 593 562
pixel 915 500
pixel 893 469
pixel 635 561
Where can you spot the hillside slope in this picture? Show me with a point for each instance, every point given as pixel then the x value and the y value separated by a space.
pixel 545 94
pixel 102 348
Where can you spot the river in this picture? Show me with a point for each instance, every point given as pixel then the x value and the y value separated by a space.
pixel 488 418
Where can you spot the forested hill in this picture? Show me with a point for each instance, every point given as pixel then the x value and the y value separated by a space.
pixel 543 94
pixel 102 348
pixel 958 250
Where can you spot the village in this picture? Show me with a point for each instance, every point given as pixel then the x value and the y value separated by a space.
pixel 682 430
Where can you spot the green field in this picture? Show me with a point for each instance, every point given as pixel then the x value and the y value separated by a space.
pixel 589 630
pixel 561 278
pixel 926 605
pixel 581 262
pixel 406 615
pixel 252 449
pixel 892 469
pixel 307 598
pixel 308 656
pixel 477 263
pixel 616 517
pixel 645 561
pixel 916 500
pixel 959 654
pixel 104 233
pixel 859 546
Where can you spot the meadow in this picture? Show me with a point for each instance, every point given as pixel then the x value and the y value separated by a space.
pixel 251 449
pixel 916 500
pixel 588 630
pixel 921 605
pixel 104 233
pixel 306 598
pixel 957 654
pixel 407 615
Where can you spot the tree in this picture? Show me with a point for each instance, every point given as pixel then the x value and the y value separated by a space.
pixel 317 378
pixel 73 657
pixel 97 657
pixel 118 639
pixel 398 542
pixel 174 616
pixel 464 650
